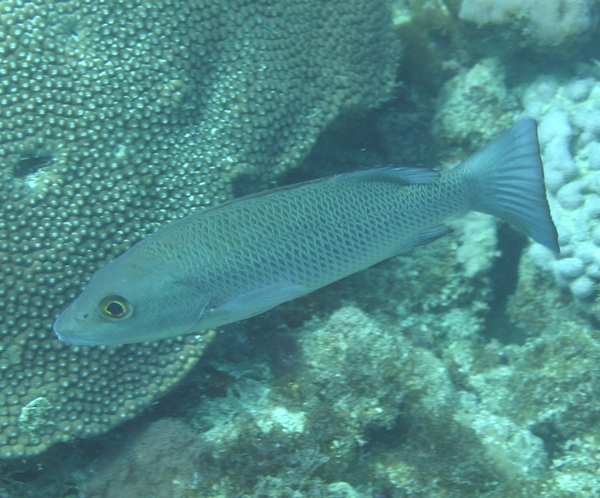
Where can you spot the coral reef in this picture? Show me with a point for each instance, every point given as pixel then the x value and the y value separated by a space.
pixel 475 106
pixel 548 23
pixel 569 131
pixel 422 406
pixel 117 117
pixel 476 101
pixel 366 412
pixel 351 378
pixel 464 368
pixel 357 390
pixel 156 460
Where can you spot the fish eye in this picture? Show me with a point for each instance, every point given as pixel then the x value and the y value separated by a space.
pixel 115 307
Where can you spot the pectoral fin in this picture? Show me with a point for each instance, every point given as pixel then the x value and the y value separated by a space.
pixel 263 299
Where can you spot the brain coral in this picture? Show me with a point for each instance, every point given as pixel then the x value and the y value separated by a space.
pixel 117 116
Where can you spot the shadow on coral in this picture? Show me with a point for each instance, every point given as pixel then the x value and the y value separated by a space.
pixel 156 460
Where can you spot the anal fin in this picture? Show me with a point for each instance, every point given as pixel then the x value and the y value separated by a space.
pixel 432 234
pixel 424 238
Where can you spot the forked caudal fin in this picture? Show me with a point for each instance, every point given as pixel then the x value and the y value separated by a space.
pixel 508 181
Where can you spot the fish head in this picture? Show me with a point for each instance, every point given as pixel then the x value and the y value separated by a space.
pixel 132 299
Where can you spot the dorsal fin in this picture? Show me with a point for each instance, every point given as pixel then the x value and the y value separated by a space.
pixel 403 175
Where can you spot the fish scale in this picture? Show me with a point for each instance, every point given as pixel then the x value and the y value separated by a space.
pixel 246 256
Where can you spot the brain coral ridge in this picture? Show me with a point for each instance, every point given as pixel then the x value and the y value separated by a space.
pixel 117 116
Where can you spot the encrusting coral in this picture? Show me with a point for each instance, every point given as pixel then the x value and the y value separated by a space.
pixel 117 116
pixel 549 23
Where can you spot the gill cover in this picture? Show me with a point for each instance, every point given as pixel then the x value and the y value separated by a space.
pixel 132 299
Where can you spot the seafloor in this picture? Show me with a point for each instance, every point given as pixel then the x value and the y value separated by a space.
pixel 466 368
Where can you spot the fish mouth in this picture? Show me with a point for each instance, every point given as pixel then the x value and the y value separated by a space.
pixel 74 340
pixel 67 336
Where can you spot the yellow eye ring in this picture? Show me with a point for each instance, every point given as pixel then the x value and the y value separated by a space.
pixel 115 307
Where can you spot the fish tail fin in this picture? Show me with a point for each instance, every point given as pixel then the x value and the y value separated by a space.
pixel 507 177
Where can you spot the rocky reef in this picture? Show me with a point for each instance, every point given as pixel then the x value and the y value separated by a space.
pixel 117 117
pixel 465 368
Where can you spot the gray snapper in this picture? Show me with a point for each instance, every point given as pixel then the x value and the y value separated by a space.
pixel 241 258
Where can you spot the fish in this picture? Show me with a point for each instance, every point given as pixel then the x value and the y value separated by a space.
pixel 241 258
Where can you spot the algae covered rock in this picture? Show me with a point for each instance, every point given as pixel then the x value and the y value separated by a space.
pixel 475 106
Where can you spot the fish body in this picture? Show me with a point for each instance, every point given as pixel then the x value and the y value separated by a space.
pixel 241 258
